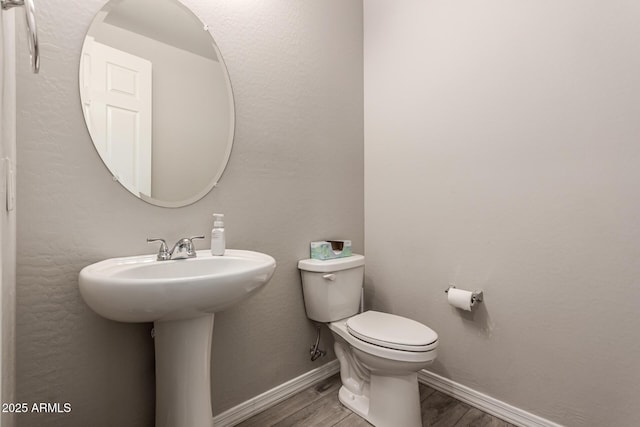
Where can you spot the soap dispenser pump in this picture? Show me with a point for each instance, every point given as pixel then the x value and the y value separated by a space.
pixel 218 241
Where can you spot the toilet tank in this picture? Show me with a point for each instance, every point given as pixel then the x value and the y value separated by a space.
pixel 332 288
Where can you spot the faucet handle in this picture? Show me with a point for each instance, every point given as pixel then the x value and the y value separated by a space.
pixel 192 250
pixel 163 252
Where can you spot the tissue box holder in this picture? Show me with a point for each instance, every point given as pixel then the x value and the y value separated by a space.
pixel 330 249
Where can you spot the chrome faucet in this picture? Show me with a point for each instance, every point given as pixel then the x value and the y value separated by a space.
pixel 182 249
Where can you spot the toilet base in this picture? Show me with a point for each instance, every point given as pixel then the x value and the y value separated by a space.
pixel 356 403
pixel 393 401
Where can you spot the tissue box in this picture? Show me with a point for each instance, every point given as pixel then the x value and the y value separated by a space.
pixel 330 249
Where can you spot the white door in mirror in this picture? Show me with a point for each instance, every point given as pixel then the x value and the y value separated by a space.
pixel 117 96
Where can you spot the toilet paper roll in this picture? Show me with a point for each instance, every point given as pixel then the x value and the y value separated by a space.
pixel 460 298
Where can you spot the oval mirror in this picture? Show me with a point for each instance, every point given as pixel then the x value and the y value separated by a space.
pixel 157 100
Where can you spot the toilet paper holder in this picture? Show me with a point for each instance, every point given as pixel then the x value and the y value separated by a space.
pixel 476 296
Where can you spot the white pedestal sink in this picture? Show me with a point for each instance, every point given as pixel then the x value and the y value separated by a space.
pixel 180 297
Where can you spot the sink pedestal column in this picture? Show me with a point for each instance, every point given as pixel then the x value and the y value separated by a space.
pixel 183 372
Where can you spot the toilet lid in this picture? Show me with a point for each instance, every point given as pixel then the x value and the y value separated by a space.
pixel 391 331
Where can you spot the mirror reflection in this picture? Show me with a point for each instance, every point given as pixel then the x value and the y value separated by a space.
pixel 157 100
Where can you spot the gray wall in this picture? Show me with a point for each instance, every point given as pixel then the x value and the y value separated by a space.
pixel 295 175
pixel 501 153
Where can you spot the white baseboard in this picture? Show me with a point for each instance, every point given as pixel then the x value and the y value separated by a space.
pixel 483 402
pixel 269 398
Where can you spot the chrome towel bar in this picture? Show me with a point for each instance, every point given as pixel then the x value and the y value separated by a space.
pixel 32 29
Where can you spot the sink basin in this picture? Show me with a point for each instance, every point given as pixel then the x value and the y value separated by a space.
pixel 142 289
pixel 181 298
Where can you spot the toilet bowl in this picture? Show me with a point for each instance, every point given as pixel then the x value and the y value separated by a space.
pixel 380 354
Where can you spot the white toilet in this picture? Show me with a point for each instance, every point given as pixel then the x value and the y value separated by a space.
pixel 380 354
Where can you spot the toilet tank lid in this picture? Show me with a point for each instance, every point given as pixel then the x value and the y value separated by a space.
pixel 331 265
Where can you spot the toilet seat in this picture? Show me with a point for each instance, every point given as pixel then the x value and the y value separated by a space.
pixel 339 327
pixel 391 331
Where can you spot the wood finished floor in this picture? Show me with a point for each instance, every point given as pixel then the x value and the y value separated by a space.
pixel 318 406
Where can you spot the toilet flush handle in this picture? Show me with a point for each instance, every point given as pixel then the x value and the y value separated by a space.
pixel 329 276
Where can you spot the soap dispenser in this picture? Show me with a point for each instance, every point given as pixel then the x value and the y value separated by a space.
pixel 218 241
